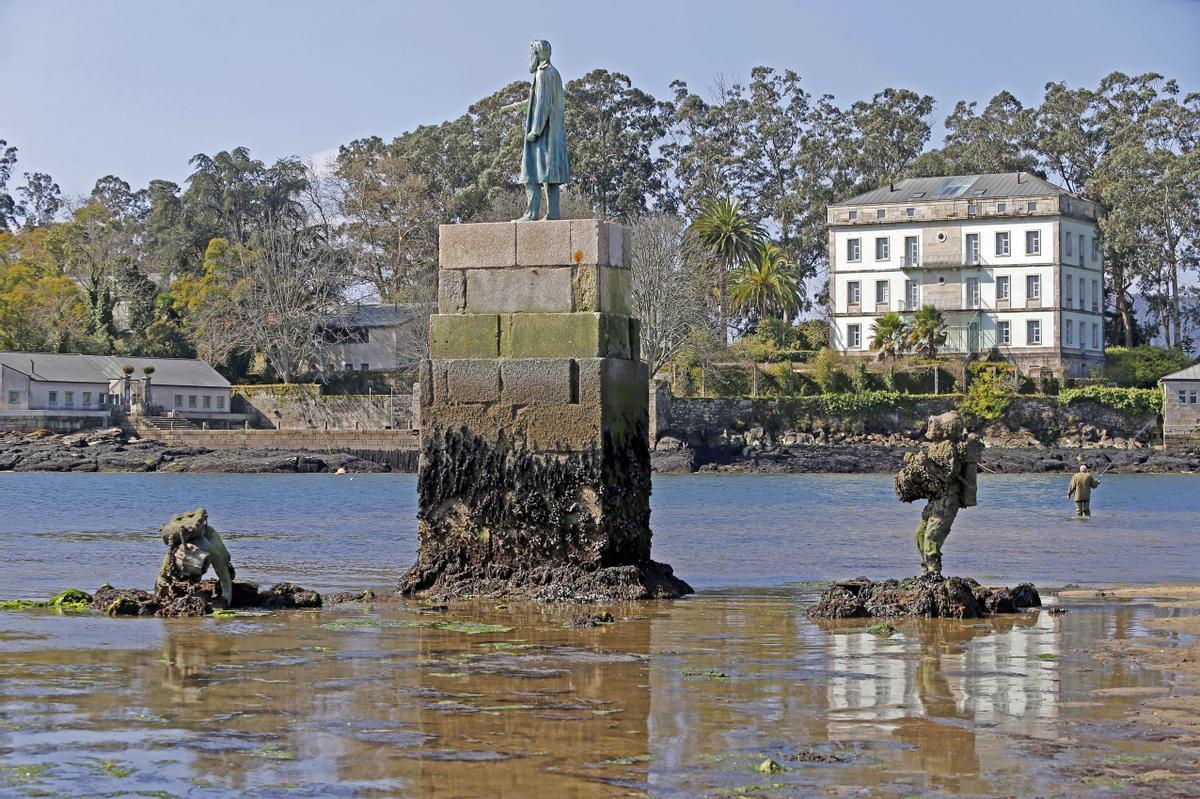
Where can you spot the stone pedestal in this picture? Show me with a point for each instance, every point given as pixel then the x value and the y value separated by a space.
pixel 535 467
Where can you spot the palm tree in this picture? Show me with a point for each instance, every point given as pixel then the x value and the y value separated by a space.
pixel 890 336
pixel 769 285
pixel 733 238
pixel 927 333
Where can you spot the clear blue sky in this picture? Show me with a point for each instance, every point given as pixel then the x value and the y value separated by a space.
pixel 136 87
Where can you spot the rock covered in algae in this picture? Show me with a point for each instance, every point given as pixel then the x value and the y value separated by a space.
pixel 200 602
pixel 929 595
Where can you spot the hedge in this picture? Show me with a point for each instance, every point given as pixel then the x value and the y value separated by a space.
pixel 1142 401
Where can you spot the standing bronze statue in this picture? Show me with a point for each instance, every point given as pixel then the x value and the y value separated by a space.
pixel 1080 488
pixel 544 162
pixel 944 472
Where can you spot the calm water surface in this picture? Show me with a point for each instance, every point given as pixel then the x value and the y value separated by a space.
pixel 675 699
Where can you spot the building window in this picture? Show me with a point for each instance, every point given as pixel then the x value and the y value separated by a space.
pixel 87 398
pixel 882 290
pixel 191 400
pixel 1095 296
pixel 854 292
pixel 1067 298
pixel 1082 296
pixel 853 215
pixel 1191 397
pixel 1002 247
pixel 853 250
pixel 972 209
pixel 1033 242
pixel 364 367
pixel 1081 250
pixel 178 400
pixel 1095 335
pixel 1069 332
pixel 1095 248
pixel 910 251
pixel 1001 208
pixel 912 294
pixel 1182 397
pixel 1033 287
pixel 882 249
pixel 1031 206
pixel 973 296
pixel 1033 332
pixel 1066 205
pixel 220 403
pixel 1004 333
pixel 910 212
pixel 1002 288
pixel 880 214
pixel 207 402
pixel 972 248
pixel 52 397
pixel 854 336
pixel 14 397
pixel 1068 244
pixel 69 398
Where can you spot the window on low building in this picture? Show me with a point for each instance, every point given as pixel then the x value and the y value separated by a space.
pixel 191 400
pixel 854 292
pixel 882 292
pixel 178 400
pixel 87 398
pixel 1002 243
pixel 14 397
pixel 1182 397
pixel 364 367
pixel 69 397
pixel 1192 397
pixel 1003 333
pixel 880 214
pixel 854 336
pixel 1069 332
pixel 1033 332
pixel 1002 287
pixel 1033 287
pixel 1033 242
pixel 883 248
pixel 207 402
pixel 52 397
pixel 220 403
pixel 853 250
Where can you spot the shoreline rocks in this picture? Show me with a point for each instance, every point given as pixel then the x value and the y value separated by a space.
pixel 110 450
pixel 928 596
pixel 246 596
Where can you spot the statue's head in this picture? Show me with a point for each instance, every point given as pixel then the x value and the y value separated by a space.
pixel 945 426
pixel 539 53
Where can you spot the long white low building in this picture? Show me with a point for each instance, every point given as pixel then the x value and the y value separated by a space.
pixel 67 390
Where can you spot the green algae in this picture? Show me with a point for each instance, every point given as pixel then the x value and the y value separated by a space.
pixel 227 613
pixel 707 674
pixel 24 772
pixel 22 604
pixel 272 752
pixel 882 630
pixel 769 766
pixel 467 627
pixel 72 596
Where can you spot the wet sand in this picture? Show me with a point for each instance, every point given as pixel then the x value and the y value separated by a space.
pixel 679 699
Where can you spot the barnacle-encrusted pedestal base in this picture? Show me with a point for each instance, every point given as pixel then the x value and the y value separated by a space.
pixel 535 465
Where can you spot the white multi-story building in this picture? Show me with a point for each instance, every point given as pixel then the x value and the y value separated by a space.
pixel 1013 262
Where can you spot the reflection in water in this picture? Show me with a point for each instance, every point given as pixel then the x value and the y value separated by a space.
pixel 679 699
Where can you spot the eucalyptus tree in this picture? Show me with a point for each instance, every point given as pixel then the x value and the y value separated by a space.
pixel 41 200
pixel 8 205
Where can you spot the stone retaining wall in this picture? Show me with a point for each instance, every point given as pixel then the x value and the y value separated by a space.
pixel 304 440
pixel 304 407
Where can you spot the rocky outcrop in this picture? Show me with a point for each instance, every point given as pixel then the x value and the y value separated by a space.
pixel 110 450
pixel 928 596
pixel 200 600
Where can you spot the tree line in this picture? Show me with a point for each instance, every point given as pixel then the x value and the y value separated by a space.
pixel 728 189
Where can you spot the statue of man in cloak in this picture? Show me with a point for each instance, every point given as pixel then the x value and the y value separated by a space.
pixel 544 162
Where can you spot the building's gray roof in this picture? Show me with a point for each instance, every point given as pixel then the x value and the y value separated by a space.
pixel 1004 184
pixel 77 368
pixel 386 315
pixel 1190 373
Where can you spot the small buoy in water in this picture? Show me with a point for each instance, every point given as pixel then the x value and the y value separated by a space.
pixel 341 470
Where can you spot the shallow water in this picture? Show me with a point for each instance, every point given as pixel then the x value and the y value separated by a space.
pixel 674 699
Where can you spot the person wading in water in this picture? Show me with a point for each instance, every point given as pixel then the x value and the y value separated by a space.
pixel 1080 488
